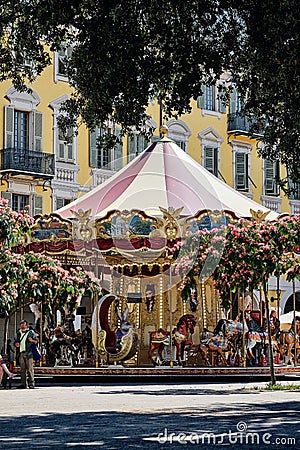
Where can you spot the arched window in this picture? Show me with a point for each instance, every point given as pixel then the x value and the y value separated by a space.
pixel 210 150
pixel 180 132
pixel 23 123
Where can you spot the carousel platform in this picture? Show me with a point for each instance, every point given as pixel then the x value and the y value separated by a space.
pixel 118 373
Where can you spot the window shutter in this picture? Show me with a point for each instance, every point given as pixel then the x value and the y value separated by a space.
pixel 241 171
pixel 141 145
pixel 38 205
pixel 216 162
pixel 61 151
pixel 59 203
pixel 70 145
pixel 61 54
pixel 180 144
pixel 7 196
pixel 70 152
pixel 277 172
pixel 118 152
pixel 38 130
pixel 93 148
pixel 131 147
pixel 9 127
pixel 222 102
pixel 269 177
pixel 69 52
pixel 233 102
pixel 201 98
pixel 209 159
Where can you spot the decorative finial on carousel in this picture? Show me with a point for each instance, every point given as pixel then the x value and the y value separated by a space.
pixel 164 130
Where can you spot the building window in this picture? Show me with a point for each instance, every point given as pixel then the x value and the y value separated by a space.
pixel 212 99
pixel 241 171
pixel 271 174
pixel 211 142
pixel 209 98
pixel 181 144
pixel 60 63
pixel 136 144
pixel 19 202
pixel 210 160
pixel 102 157
pixel 65 142
pixel 103 153
pixel 235 105
pixel 180 132
pixel 294 186
pixel 21 130
pixel 61 202
pixel 66 145
pixel 62 55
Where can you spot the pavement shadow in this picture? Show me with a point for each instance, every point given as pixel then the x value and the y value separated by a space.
pixel 177 391
pixel 267 427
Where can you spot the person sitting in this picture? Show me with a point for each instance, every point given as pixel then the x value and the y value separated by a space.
pixel 4 370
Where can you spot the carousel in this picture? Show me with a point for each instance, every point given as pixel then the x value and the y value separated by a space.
pixel 125 231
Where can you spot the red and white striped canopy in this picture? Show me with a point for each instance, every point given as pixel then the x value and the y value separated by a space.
pixel 163 175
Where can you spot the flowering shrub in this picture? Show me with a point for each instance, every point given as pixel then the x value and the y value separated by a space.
pixel 13 225
pixel 241 257
pixel 35 277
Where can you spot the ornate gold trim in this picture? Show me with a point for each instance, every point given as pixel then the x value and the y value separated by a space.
pixel 129 346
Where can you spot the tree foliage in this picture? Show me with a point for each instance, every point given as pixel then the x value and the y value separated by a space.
pixel 129 51
pixel 30 277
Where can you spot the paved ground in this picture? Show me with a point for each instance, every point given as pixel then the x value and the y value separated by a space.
pixel 207 416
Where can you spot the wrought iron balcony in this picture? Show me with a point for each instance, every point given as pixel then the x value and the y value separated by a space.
pixel 242 125
pixel 15 161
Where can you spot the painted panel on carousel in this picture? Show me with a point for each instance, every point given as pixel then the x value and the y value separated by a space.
pixel 51 228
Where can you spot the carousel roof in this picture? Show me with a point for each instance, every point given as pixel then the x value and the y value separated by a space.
pixel 163 175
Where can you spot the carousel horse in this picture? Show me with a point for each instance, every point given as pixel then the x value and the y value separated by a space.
pixel 185 325
pixel 255 338
pixel 234 331
pixel 215 345
pixel 160 339
pixel 288 340
pixel 225 338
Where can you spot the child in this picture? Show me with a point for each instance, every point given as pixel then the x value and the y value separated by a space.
pixel 4 369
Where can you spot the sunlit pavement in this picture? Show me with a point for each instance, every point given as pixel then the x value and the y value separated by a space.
pixel 209 416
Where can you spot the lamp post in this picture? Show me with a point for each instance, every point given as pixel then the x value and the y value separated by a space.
pixel 41 334
pixel 171 299
pixel 295 326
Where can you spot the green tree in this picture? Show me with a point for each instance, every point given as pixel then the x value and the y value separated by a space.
pixel 129 51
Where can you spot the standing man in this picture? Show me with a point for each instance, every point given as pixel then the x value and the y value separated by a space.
pixel 23 342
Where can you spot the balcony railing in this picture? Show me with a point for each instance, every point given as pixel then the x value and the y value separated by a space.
pixel 241 124
pixel 27 162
